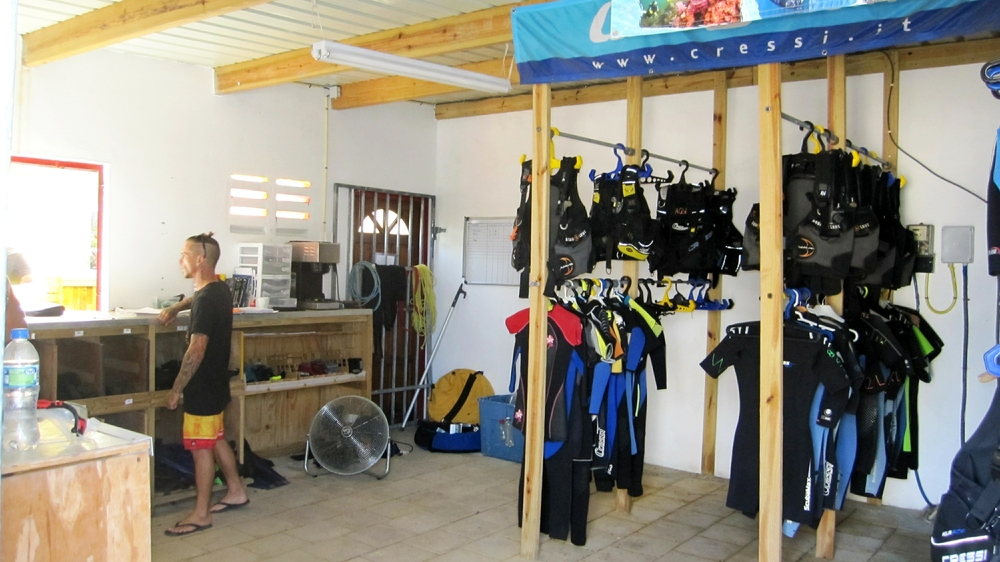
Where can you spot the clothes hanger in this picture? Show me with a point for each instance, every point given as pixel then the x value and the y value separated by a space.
pixel 624 284
pixel 613 174
pixel 813 132
pixel 646 171
pixel 714 172
pixel 990 74
pixel 686 165
pixel 680 302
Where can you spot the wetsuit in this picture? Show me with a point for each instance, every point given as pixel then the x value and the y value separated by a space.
pixel 808 361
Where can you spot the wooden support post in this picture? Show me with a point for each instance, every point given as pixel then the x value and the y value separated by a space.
pixel 836 98
pixel 633 127
pixel 538 326
pixel 719 118
pixel 836 78
pixel 771 313
pixel 633 139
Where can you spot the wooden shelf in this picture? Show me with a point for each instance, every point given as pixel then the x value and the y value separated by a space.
pixel 116 358
pixel 306 382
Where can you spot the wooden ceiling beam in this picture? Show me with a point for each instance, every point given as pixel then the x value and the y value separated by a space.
pixel 121 21
pixel 910 58
pixel 401 88
pixel 438 37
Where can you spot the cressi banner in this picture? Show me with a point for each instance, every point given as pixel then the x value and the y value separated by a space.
pixel 573 40
pixel 644 17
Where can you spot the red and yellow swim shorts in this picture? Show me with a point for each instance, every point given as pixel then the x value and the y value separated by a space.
pixel 201 432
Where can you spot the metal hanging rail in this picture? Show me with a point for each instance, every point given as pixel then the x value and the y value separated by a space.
pixel 834 139
pixel 629 151
pixel 886 165
pixel 681 162
pixel 825 133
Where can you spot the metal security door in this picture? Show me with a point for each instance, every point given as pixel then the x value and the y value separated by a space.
pixel 394 228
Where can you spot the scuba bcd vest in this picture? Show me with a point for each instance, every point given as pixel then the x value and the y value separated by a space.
pixel 620 217
pixel 569 237
pixel 697 235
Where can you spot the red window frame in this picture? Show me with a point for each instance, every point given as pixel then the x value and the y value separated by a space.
pixel 99 168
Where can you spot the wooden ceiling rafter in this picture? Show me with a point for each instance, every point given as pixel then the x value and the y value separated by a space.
pixel 438 37
pixel 118 22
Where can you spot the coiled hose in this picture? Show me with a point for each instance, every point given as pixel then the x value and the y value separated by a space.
pixel 354 284
pixel 424 308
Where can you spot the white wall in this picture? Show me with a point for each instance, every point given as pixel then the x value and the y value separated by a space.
pixel 478 175
pixel 170 145
pixel 389 147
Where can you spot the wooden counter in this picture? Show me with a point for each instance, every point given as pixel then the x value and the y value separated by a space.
pixel 108 363
pixel 81 499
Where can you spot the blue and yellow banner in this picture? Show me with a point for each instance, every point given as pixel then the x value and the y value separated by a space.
pixel 573 40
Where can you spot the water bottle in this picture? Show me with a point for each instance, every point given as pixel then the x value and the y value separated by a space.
pixel 20 393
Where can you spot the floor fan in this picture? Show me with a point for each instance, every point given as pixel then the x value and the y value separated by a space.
pixel 348 436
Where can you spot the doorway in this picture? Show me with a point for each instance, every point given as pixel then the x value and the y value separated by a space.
pixel 391 228
pixel 55 265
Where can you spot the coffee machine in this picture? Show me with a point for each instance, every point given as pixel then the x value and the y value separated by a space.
pixel 310 261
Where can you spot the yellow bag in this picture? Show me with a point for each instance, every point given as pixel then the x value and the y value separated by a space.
pixel 455 396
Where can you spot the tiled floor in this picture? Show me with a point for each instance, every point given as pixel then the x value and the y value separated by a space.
pixel 462 508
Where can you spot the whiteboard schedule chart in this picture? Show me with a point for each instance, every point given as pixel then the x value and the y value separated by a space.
pixel 486 252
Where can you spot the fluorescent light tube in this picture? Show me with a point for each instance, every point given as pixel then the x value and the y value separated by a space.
pixel 383 63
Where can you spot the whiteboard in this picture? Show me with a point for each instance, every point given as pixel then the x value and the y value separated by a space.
pixel 486 252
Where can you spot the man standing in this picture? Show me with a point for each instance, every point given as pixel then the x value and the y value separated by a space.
pixel 204 380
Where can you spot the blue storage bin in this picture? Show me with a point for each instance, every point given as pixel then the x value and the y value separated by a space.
pixel 493 411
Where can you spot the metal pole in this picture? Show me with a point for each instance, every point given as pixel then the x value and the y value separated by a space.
pixel 628 150
pixel 423 380
pixel 680 162
pixel 886 165
pixel 830 137
pixel 834 139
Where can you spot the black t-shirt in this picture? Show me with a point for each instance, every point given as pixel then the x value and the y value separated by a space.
pixel 207 393
pixel 808 361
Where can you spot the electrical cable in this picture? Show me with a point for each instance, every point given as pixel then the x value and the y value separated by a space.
pixel 931 507
pixel 954 291
pixel 920 486
pixel 424 307
pixel 965 344
pixel 888 103
pixel 355 284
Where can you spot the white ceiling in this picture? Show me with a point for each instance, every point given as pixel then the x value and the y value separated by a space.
pixel 277 27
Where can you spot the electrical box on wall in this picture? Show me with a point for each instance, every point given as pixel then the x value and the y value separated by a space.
pixel 957 244
pixel 924 235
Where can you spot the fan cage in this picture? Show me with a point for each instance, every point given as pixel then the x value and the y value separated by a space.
pixel 349 435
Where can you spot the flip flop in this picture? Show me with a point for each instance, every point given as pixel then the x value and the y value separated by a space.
pixel 228 506
pixel 194 529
